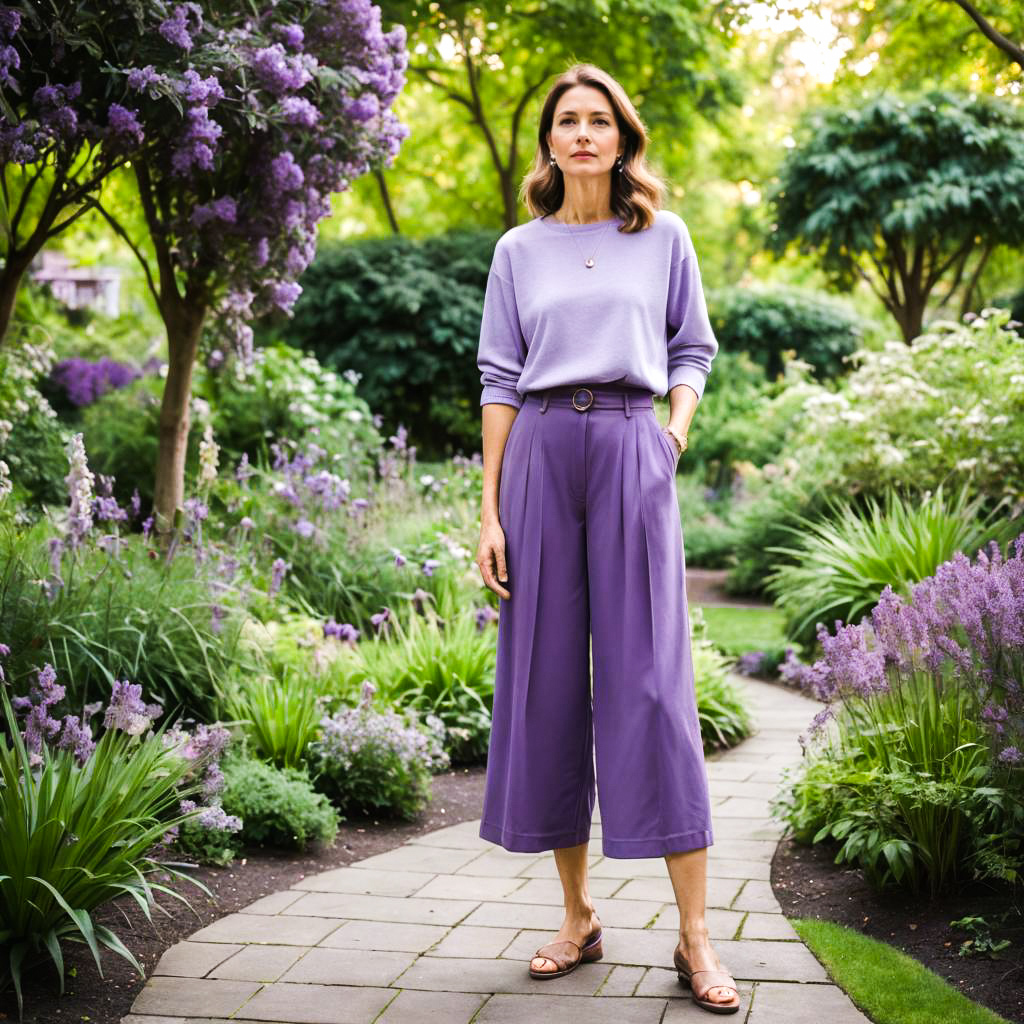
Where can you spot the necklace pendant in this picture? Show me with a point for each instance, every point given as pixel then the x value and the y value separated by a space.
pixel 589 263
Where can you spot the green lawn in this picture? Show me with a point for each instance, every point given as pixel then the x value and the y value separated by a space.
pixel 887 985
pixel 738 630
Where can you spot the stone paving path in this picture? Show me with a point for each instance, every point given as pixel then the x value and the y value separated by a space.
pixel 442 928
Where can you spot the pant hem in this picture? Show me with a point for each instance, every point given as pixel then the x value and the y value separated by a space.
pixel 656 846
pixel 525 842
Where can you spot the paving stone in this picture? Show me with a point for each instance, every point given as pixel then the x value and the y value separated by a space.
pixel 779 1003
pixel 371 881
pixel 410 909
pixel 622 981
pixel 259 963
pixel 468 974
pixel 727 867
pixel 630 867
pixel 757 895
pixel 192 997
pixel 274 903
pixel 722 924
pixel 388 935
pixel 193 959
pixel 553 1009
pixel 435 859
pixel 750 788
pixel 728 848
pixel 549 890
pixel 318 1004
pixel 747 828
pixel 757 960
pixel 637 947
pixel 768 926
pixel 278 929
pixel 728 770
pixel 663 982
pixel 500 863
pixel 135 1018
pixel 414 1007
pixel 325 966
pixel 621 913
pixel 470 887
pixel 720 891
pixel 739 807
pixel 545 867
pixel 468 940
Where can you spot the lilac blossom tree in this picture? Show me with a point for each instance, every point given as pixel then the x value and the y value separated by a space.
pixel 272 112
pixel 65 122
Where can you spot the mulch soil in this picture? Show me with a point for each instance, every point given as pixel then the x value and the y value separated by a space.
pixel 807 883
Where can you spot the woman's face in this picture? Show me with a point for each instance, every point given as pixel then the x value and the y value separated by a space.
pixel 584 123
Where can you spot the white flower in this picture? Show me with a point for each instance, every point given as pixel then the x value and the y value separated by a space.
pixel 354 415
pixel 208 456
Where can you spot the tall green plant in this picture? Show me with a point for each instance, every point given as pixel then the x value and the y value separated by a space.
pixel 75 836
pixel 843 563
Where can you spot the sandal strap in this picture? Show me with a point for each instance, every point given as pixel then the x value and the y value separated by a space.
pixel 561 956
pixel 711 979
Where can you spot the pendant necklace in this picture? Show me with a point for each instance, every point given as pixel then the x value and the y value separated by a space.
pixel 589 261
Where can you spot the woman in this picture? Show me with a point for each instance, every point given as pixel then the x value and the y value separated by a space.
pixel 590 309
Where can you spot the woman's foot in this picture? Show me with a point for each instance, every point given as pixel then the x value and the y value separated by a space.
pixel 695 945
pixel 576 927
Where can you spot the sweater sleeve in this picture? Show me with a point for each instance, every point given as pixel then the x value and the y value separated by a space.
pixel 691 340
pixel 502 350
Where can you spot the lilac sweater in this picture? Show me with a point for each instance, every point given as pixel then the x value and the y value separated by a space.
pixel 637 317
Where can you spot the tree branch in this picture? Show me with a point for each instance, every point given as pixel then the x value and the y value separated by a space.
pixel 116 225
pixel 990 32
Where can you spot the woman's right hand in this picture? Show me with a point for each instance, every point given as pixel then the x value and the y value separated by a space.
pixel 490 557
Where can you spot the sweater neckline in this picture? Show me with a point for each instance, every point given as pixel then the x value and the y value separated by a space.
pixel 555 225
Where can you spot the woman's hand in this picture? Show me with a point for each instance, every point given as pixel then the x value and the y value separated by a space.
pixel 490 557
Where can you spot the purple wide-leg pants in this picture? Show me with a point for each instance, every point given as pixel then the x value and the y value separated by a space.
pixel 594 551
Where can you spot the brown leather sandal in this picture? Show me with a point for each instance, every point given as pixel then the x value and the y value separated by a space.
pixel 708 980
pixel 563 957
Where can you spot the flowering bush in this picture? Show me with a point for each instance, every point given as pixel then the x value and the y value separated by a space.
pixel 277 805
pixel 907 418
pixel 80 821
pixel 925 780
pixel 83 381
pixel 377 761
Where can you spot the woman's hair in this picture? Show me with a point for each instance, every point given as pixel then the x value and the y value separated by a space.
pixel 637 192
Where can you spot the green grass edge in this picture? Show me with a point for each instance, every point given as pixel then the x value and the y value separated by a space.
pixel 887 985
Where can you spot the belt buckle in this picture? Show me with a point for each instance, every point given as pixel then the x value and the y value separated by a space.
pixel 590 400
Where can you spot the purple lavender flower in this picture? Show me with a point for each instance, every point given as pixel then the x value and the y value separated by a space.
pixel 1011 755
pixel 124 127
pixel 484 614
pixel 127 711
pixel 381 619
pixel 176 29
pixel 85 381
pixel 76 737
pixel 277 573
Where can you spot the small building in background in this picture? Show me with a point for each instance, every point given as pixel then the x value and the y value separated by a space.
pixel 97 288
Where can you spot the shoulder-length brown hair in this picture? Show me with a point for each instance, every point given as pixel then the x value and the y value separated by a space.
pixel 637 192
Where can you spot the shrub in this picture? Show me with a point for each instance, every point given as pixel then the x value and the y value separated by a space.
pixel 377 761
pixel 840 565
pixel 277 805
pixel 440 665
pixel 909 418
pixel 80 382
pixel 818 328
pixel 405 316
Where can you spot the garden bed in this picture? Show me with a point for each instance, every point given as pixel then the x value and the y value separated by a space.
pixel 807 883
pixel 457 796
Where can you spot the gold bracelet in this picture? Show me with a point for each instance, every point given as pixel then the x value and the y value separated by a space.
pixel 681 440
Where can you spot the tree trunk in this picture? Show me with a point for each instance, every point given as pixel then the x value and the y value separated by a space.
pixel 184 322
pixel 10 281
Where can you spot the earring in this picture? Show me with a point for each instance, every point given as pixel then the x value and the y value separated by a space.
pixel 552 159
pixel 618 163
